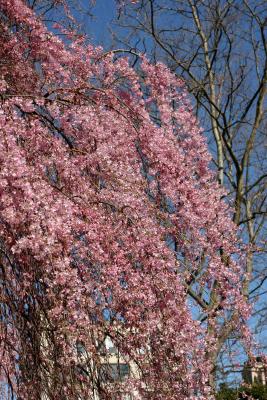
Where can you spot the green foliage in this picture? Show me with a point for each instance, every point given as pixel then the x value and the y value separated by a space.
pixel 226 393
pixel 256 392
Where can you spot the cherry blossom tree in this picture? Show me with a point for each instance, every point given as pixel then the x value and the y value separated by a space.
pixel 219 47
pixel 95 190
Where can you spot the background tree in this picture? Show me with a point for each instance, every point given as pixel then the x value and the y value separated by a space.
pixel 219 48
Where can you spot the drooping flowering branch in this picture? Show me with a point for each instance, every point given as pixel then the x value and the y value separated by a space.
pixel 100 171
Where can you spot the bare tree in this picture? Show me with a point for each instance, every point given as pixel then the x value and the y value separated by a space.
pixel 219 47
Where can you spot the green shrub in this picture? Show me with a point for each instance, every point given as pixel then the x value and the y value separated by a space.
pixel 256 391
pixel 226 393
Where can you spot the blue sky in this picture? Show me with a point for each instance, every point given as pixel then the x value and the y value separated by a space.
pixel 97 26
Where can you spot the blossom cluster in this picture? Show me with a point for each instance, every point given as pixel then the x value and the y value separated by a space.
pixel 99 168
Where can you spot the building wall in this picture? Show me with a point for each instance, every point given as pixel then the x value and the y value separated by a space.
pixel 255 374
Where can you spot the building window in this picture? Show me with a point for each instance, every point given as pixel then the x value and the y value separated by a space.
pixel 114 372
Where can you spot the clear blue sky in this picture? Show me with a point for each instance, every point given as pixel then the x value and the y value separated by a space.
pixel 97 26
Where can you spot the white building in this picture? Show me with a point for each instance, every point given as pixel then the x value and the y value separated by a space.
pixel 113 369
pixel 255 373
